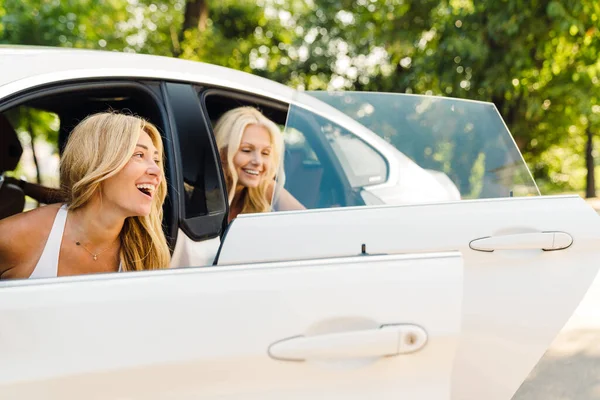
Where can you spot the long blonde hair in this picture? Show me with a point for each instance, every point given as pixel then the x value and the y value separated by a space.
pixel 98 148
pixel 229 130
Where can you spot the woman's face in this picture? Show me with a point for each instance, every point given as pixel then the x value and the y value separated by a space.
pixel 254 156
pixel 132 189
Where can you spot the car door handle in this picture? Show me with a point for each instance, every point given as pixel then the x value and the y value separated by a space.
pixel 547 241
pixel 386 341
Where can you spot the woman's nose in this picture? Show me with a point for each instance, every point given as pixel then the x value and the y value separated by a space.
pixel 153 169
pixel 257 159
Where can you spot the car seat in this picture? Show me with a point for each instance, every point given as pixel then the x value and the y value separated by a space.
pixel 303 177
pixel 12 198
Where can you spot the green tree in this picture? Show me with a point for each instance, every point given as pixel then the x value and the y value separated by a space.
pixel 536 61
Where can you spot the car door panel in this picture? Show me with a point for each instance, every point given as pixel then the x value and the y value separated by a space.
pixel 516 297
pixel 188 252
pixel 207 332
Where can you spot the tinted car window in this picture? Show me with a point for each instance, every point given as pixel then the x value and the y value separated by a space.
pixel 399 149
pixel 362 164
pixel 465 140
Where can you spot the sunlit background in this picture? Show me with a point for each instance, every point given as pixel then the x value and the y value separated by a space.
pixel 537 61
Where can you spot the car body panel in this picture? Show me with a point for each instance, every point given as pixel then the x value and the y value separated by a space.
pixel 512 309
pixel 188 253
pixel 24 69
pixel 206 332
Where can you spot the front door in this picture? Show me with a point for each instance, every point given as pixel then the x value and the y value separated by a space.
pixel 336 328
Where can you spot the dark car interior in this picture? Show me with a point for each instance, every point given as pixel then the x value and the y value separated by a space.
pixel 75 106
pixel 12 197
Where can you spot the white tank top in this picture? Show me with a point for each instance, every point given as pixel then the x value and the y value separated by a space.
pixel 47 266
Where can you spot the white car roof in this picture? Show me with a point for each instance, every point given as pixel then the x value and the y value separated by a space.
pixel 27 62
pixel 24 67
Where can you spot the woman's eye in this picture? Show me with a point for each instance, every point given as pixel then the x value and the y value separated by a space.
pixel 246 150
pixel 139 155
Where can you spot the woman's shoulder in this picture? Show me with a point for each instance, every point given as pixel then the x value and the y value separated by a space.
pixel 29 219
pixel 20 233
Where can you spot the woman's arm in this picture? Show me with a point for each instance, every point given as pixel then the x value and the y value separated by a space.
pixel 285 201
pixel 13 251
pixel 22 240
pixel 43 194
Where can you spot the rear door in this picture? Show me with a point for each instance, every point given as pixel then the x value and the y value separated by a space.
pixel 528 259
pixel 528 263
pixel 337 328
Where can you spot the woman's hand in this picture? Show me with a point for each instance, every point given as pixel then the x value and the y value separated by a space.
pixel 285 201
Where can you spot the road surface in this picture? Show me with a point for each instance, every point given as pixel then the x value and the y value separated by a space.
pixel 570 369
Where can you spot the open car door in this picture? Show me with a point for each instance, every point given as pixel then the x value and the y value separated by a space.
pixel 528 263
pixel 528 260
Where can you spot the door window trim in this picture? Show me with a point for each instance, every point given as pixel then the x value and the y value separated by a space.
pixel 187 116
pixel 97 83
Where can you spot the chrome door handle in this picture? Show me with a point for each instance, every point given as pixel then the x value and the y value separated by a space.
pixel 547 241
pixel 388 340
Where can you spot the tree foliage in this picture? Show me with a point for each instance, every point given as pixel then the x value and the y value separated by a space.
pixel 537 60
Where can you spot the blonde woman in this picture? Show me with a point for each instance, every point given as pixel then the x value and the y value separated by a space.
pixel 251 149
pixel 112 175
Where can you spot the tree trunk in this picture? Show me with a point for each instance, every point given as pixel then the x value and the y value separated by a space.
pixel 195 15
pixel 38 174
pixel 590 190
pixel 35 159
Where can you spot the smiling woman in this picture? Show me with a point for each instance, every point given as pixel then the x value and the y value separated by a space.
pixel 250 170
pixel 113 182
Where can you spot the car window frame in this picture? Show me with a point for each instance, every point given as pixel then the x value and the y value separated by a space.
pixel 205 92
pixel 188 119
pixel 150 88
pixel 317 141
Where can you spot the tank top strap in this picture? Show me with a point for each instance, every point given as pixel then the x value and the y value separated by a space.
pixel 47 265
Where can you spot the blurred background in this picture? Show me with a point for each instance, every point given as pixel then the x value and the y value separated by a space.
pixel 536 60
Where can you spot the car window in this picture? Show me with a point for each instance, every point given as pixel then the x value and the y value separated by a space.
pixel 37 131
pixel 320 171
pixel 398 149
pixel 41 122
pixel 303 169
pixel 314 174
pixel 362 164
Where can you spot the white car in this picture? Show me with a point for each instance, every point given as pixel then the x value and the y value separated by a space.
pixel 427 265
